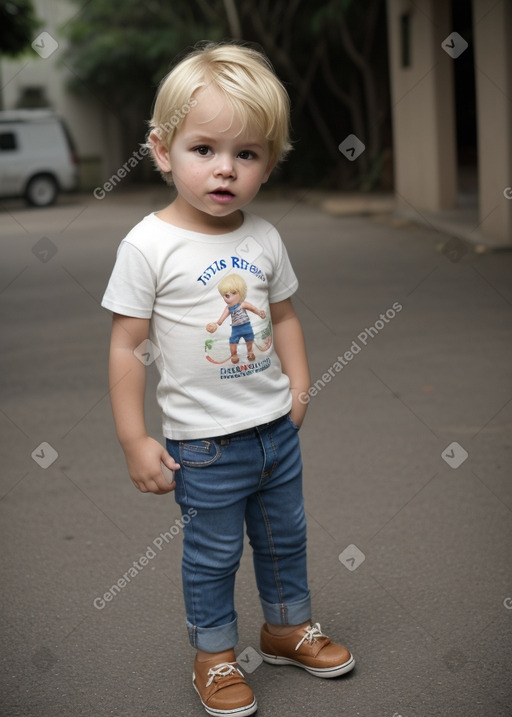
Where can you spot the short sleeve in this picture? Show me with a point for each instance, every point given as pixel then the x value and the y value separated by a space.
pixel 131 288
pixel 284 283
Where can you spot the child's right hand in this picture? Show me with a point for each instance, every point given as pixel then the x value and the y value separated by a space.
pixel 144 457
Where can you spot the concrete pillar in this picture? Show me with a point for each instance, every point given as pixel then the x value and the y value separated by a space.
pixel 492 24
pixel 422 100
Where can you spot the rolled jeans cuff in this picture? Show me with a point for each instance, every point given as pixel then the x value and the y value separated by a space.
pixel 291 613
pixel 213 639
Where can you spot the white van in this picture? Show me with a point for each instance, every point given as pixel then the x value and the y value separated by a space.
pixel 37 156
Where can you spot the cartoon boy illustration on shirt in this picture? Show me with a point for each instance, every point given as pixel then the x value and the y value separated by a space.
pixel 233 290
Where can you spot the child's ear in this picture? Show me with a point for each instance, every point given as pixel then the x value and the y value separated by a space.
pixel 160 152
pixel 271 164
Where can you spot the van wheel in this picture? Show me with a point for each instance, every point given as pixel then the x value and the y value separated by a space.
pixel 41 191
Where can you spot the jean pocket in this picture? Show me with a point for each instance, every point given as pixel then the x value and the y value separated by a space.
pixel 199 454
pixel 292 424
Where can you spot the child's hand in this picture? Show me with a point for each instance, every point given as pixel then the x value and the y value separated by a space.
pixel 211 327
pixel 262 314
pixel 298 412
pixel 144 458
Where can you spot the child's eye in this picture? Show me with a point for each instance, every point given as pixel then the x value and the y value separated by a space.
pixel 202 150
pixel 246 154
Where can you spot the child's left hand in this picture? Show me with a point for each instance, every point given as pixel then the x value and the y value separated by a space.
pixel 298 412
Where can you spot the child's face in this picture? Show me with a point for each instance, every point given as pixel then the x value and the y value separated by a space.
pixel 231 297
pixel 216 170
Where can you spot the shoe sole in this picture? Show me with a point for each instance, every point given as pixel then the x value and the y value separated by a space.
pixel 238 712
pixel 325 672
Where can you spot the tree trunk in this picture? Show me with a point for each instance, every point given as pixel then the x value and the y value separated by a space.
pixel 285 61
pixel 233 19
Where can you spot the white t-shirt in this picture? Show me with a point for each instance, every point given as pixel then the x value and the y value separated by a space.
pixel 170 275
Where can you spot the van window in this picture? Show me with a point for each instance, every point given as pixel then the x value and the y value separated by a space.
pixel 7 141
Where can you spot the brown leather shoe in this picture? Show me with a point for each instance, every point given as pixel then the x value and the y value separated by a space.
pixel 308 648
pixel 222 689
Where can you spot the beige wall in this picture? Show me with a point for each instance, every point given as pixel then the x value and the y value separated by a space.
pixel 423 107
pixel 493 72
pixel 424 116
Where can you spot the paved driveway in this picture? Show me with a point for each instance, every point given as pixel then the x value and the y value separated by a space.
pixel 407 458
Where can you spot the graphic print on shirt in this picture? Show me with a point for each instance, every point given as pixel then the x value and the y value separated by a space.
pixel 243 339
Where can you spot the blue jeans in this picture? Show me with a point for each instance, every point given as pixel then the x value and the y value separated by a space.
pixel 253 476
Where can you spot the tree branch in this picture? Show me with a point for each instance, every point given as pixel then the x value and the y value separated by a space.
pixel 349 46
pixel 287 23
pixel 308 80
pixel 233 19
pixel 284 60
pixel 369 85
pixel 208 11
pixel 371 17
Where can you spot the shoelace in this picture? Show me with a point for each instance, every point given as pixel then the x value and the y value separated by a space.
pixel 223 669
pixel 312 633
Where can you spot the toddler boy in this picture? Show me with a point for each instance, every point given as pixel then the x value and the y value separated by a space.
pixel 219 127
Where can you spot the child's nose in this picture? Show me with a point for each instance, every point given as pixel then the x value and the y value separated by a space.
pixel 225 166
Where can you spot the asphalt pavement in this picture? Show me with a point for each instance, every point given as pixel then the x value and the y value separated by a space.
pixel 407 454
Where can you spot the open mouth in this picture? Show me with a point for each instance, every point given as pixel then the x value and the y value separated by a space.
pixel 222 195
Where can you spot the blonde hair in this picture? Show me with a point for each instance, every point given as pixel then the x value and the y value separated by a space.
pixel 233 282
pixel 246 79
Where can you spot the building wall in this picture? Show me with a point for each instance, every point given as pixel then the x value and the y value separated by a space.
pixel 422 106
pixel 493 65
pixel 423 111
pixel 94 128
